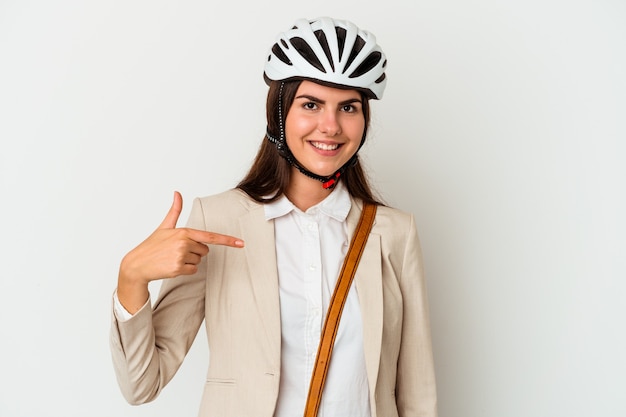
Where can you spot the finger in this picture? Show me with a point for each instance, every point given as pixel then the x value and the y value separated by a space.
pixel 187 269
pixel 172 216
pixel 198 248
pixel 192 259
pixel 211 238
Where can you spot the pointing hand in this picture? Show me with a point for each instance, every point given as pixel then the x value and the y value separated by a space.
pixel 168 252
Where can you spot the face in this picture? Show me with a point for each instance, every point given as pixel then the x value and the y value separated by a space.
pixel 324 126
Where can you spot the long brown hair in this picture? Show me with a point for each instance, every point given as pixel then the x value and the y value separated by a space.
pixel 269 175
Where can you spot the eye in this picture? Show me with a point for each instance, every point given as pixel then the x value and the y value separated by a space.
pixel 349 108
pixel 310 105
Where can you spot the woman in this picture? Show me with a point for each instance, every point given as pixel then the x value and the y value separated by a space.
pixel 264 302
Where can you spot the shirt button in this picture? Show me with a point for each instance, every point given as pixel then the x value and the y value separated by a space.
pixel 311 226
pixel 312 267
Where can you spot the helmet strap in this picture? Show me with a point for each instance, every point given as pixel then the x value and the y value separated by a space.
pixel 328 182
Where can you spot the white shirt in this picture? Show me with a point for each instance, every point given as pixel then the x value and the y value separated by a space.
pixel 310 248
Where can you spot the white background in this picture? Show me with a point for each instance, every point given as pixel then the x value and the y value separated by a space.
pixel 502 129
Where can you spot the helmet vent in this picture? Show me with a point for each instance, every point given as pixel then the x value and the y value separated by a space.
pixel 307 53
pixel 341 39
pixel 359 43
pixel 321 38
pixel 368 63
pixel 280 54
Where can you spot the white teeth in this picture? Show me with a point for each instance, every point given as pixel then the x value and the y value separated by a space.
pixel 324 146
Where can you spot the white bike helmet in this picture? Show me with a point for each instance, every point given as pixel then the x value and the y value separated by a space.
pixel 331 51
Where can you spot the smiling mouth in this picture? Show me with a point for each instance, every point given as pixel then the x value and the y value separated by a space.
pixel 325 146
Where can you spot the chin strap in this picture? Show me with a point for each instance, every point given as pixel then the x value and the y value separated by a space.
pixel 328 182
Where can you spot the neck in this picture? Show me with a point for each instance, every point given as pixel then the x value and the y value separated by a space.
pixel 305 192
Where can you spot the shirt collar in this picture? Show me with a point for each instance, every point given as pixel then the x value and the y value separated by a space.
pixel 336 205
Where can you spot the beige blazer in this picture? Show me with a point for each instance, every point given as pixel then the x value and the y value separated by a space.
pixel 236 293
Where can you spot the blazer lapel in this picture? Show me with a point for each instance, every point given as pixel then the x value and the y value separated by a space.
pixel 368 281
pixel 258 234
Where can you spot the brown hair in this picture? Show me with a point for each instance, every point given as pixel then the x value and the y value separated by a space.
pixel 270 173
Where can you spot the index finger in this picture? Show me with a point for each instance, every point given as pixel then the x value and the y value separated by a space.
pixel 211 238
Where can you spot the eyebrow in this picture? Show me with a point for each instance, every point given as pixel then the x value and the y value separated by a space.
pixel 318 100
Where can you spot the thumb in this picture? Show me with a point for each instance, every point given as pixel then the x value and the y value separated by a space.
pixel 172 216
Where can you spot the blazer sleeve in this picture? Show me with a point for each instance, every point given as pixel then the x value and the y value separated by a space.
pixel 148 349
pixel 415 384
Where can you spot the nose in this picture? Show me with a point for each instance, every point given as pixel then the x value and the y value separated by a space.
pixel 328 123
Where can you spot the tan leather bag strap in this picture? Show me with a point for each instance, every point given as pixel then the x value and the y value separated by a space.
pixel 337 301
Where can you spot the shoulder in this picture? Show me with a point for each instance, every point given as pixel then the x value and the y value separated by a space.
pixel 393 217
pixel 233 199
pixel 389 219
pixel 220 210
pixel 392 224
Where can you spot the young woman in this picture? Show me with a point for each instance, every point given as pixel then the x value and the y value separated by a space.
pixel 264 302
